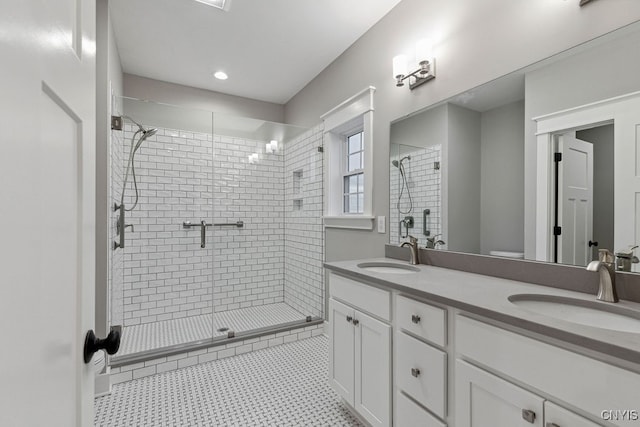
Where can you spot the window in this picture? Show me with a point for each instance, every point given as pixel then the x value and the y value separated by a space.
pixel 353 174
pixel 348 163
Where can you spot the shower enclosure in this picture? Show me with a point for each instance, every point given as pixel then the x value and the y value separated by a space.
pixel 220 232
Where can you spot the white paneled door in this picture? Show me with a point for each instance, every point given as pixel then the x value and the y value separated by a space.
pixel 47 194
pixel 575 200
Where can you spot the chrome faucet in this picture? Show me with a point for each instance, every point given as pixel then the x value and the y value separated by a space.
pixel 413 244
pixel 607 283
pixel 432 243
pixel 625 258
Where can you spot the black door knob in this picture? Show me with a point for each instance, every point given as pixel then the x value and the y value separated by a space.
pixel 110 344
pixel 593 243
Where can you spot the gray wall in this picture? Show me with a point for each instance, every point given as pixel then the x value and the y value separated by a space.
pixel 462 187
pixel 600 73
pixel 201 99
pixel 108 78
pixel 474 41
pixel 422 130
pixel 502 180
pixel 603 184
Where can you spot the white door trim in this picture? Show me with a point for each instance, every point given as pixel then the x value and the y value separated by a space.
pixel 581 117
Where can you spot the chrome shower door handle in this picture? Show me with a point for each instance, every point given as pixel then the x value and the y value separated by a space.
pixel 203 233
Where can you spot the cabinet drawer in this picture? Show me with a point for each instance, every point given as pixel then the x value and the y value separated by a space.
pixel 421 372
pixel 410 414
pixel 362 296
pixel 554 416
pixel 573 378
pixel 422 319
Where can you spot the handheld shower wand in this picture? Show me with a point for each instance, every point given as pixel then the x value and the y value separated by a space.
pixel 400 167
pixel 135 146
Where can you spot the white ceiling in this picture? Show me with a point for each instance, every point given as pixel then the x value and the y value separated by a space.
pixel 269 48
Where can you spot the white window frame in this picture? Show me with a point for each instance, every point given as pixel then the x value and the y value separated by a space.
pixel 350 117
pixel 347 173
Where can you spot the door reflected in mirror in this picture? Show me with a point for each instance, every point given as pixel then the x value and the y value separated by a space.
pixel 583 220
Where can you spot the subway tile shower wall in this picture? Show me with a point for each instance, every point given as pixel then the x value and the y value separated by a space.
pixel 303 285
pixel 166 273
pixel 248 262
pixel 116 259
pixel 163 273
pixel 424 182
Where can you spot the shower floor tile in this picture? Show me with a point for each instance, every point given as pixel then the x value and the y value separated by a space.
pixel 284 385
pixel 180 331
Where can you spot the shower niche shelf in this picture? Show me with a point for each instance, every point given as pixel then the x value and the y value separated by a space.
pixel 297 190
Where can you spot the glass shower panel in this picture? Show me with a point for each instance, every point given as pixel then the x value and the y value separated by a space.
pixel 162 278
pixel 268 272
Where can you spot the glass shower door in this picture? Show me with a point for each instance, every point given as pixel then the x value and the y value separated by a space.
pixel 268 273
pixel 162 277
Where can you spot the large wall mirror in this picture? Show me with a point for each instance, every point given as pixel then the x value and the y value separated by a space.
pixel 473 173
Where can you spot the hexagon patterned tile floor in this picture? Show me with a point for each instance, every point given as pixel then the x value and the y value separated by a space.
pixel 279 386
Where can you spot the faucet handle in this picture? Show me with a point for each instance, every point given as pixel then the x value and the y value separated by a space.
pixel 413 239
pixel 606 256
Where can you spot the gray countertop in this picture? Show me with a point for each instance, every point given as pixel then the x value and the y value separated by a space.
pixel 488 296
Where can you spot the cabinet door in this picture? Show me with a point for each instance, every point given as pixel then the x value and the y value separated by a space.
pixel 484 400
pixel 373 370
pixel 555 416
pixel 341 349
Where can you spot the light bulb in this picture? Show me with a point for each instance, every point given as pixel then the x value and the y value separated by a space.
pixel 424 50
pixel 399 66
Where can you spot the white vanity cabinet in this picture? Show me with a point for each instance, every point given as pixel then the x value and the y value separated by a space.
pixel 458 369
pixel 556 416
pixel 420 365
pixel 490 360
pixel 483 399
pixel 360 348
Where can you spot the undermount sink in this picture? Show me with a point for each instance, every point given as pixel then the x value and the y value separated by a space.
pixel 589 313
pixel 388 267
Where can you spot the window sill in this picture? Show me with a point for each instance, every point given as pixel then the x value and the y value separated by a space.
pixel 354 222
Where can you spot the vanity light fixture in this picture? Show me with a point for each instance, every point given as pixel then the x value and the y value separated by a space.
pixel 220 4
pixel 426 66
pixel 271 147
pixel 253 158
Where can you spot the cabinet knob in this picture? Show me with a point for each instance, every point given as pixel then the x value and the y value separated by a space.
pixel 552 425
pixel 355 322
pixel 415 372
pixel 415 318
pixel 528 415
pixel 349 319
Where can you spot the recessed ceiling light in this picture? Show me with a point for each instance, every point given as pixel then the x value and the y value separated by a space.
pixel 220 75
pixel 220 4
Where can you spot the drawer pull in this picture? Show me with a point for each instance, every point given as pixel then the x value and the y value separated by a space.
pixel 355 322
pixel 552 425
pixel 415 318
pixel 528 415
pixel 415 372
pixel 349 319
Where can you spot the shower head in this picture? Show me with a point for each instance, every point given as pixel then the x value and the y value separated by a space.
pixel 146 133
pixel 398 164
